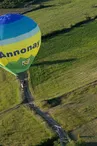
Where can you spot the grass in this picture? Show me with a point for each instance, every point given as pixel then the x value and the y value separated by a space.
pixel 65 63
pixel 5 11
pixel 78 112
pixel 21 127
pixel 9 94
pixel 75 114
pixel 62 14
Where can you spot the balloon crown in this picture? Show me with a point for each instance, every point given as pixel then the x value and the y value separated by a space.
pixel 9 18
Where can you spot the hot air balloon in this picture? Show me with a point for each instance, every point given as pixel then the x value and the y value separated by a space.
pixel 20 40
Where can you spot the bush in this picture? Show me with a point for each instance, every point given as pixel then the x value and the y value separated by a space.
pixel 78 143
pixel 57 143
pixel 12 3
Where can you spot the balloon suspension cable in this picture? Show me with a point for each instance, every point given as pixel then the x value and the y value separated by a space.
pixel 28 100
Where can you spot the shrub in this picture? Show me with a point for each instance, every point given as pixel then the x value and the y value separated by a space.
pixel 12 3
pixel 78 143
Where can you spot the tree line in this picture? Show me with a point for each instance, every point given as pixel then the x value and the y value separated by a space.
pixel 13 3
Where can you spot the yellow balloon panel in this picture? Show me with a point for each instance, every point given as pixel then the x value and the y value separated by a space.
pixel 13 52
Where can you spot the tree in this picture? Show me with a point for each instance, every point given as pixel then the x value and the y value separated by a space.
pixel 12 3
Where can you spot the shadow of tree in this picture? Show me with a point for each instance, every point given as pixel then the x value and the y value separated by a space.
pixel 39 1
pixel 86 136
pixel 41 6
pixel 49 142
pixel 66 30
pixel 54 62
pixel 91 144
pixel 52 102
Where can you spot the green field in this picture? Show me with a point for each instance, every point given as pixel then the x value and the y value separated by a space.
pixel 69 63
pixel 63 13
pixel 64 63
pixel 9 94
pixel 21 127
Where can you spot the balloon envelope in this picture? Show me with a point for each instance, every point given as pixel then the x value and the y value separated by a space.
pixel 20 40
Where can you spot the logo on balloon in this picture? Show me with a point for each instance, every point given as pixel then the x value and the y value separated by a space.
pixel 26 62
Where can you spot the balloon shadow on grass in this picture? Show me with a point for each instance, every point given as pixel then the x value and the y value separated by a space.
pixel 54 62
